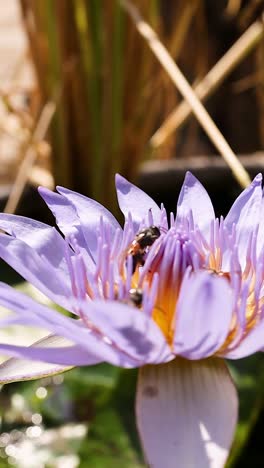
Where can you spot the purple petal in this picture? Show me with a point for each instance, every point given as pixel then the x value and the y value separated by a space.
pixel 260 238
pixel 186 413
pixel 245 214
pixel 90 213
pixel 35 269
pixel 64 212
pixel 13 369
pixel 195 199
pixel 67 356
pixel 133 200
pixel 16 370
pixel 43 238
pixel 251 344
pixel 68 221
pixel 95 345
pixel 131 330
pixel 29 312
pixel 203 315
pixel 61 353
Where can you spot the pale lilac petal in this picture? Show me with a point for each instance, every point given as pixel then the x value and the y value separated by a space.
pixel 186 413
pixel 90 214
pixel 195 199
pixel 245 214
pixel 17 370
pixel 35 269
pixel 260 238
pixel 133 332
pixel 94 351
pixel 133 200
pixel 44 239
pixel 68 356
pixel 68 221
pixel 13 369
pixel 62 353
pixel 251 344
pixel 64 212
pixel 203 315
pixel 29 312
pixel 246 208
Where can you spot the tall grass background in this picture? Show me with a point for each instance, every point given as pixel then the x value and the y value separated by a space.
pixel 112 94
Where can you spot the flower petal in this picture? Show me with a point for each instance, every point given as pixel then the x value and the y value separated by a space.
pixel 252 343
pixel 186 413
pixel 44 239
pixel 68 221
pixel 14 369
pixel 35 269
pixel 58 351
pixel 29 312
pixel 245 214
pixel 132 331
pixel 204 315
pixel 133 200
pixel 260 238
pixel 95 345
pixel 65 214
pixel 194 198
pixel 90 213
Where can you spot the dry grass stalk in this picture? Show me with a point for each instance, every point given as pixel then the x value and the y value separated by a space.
pixel 260 88
pixel 29 157
pixel 114 93
pixel 249 11
pixel 185 14
pixel 186 90
pixel 243 46
pixel 233 7
pixel 41 176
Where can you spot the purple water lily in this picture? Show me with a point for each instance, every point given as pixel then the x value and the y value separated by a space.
pixel 172 297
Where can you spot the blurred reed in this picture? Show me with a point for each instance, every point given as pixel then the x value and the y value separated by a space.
pixel 113 94
pixel 113 91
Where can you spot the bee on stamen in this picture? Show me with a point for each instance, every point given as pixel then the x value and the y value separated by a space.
pixel 136 296
pixel 141 244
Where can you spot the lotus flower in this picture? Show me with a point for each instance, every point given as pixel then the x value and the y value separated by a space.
pixel 173 297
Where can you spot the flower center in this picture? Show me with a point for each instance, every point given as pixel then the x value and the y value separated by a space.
pixel 146 271
pixel 167 259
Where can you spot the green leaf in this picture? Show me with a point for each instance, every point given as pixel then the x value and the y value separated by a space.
pixel 248 375
pixel 108 444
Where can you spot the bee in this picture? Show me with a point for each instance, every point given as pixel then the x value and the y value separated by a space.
pixel 140 245
pixel 136 296
pixel 223 274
